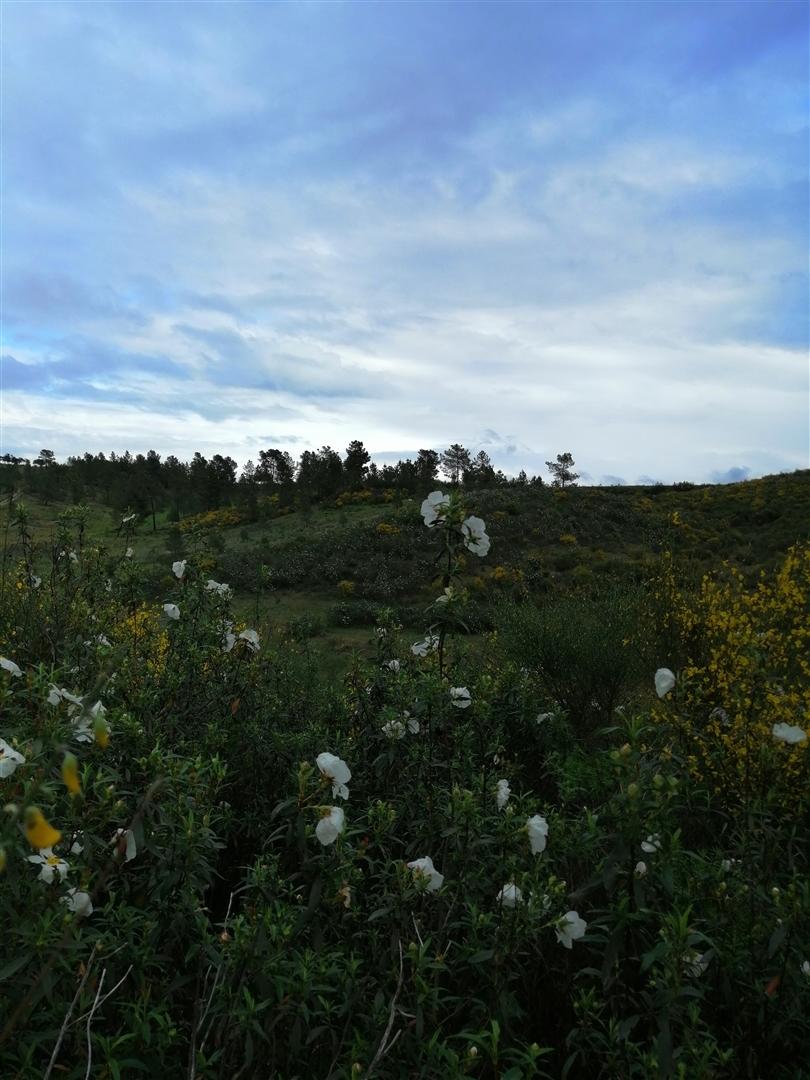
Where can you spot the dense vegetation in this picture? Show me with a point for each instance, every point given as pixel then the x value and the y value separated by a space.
pixel 548 816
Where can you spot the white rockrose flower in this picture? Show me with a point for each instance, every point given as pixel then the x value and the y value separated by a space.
pixel 651 844
pixel 510 895
pixel 336 770
pixel 460 697
pixel 179 568
pixel 171 611
pixel 9 759
pixel 434 508
pixel 570 928
pixel 664 681
pixel 502 793
pixel 251 639
pixel 429 644
pixel 124 841
pixel 538 832
pixel 330 826
pixel 475 536
pixel 425 870
pixel 50 865
pixel 10 667
pixel 789 733
pixel 78 902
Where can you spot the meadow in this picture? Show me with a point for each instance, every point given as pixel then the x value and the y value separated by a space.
pixel 496 783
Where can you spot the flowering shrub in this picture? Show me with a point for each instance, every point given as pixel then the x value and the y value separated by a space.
pixel 218 862
pixel 212 519
pixel 747 678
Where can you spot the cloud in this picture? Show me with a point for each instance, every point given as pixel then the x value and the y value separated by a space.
pixel 587 239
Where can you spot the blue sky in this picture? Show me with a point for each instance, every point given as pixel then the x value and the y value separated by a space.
pixel 524 227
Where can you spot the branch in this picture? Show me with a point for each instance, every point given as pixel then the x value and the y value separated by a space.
pixel 68 1015
pixel 385 1046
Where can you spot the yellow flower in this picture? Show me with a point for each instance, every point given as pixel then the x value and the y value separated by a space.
pixel 38 831
pixel 101 730
pixel 70 774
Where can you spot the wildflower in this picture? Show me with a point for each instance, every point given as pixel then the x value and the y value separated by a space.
pixel 640 869
pixel 251 638
pixel 10 667
pixel 330 826
pixel 475 536
pixel 460 697
pixel 70 773
pixel 172 611
pixel 423 869
pixel 434 507
pixel 218 588
pixel 447 596
pixel 79 902
pixel 412 725
pixel 337 771
pixel 394 729
pixel 429 644
pixel 392 665
pixel 695 963
pixel 502 793
pixel 543 717
pixel 509 896
pixel 9 759
pixel 664 681
pixel 74 558
pixel 570 928
pixel 651 844
pixel 538 831
pixel 38 831
pixel 789 733
pixel 56 695
pixel 124 841
pixel 49 865
pixel 179 569
pixel 129 553
pixel 35 581
pixel 806 968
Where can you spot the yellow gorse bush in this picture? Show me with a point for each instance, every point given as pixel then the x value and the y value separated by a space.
pixel 748 668
pixel 144 632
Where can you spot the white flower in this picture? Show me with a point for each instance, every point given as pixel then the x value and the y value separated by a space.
pixel 251 638
pixel 641 868
pixel 510 895
pixel 78 902
pixel 74 558
pixel 460 696
pixel 806 968
pixel 218 587
pixel 728 864
pixel 695 963
pixel 35 581
pixel 9 759
pixel 424 869
pixel 789 733
pixel 538 832
pixel 125 839
pixel 394 729
pixel 429 644
pixel 433 508
pixel 172 611
pixel 543 717
pixel 56 695
pixel 570 928
pixel 447 596
pixel 330 826
pixel 337 771
pixel 502 793
pixel 392 665
pixel 129 553
pixel 380 631
pixel 10 667
pixel 49 865
pixel 84 725
pixel 651 844
pixel 475 536
pixel 76 848
pixel 412 724
pixel 664 681
pixel 179 568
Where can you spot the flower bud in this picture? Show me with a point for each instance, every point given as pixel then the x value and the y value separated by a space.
pixel 632 790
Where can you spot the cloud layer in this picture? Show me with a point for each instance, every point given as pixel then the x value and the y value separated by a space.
pixel 581 225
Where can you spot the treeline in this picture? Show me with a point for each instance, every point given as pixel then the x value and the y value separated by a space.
pixel 149 483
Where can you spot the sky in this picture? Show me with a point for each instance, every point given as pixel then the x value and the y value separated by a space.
pixel 526 227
